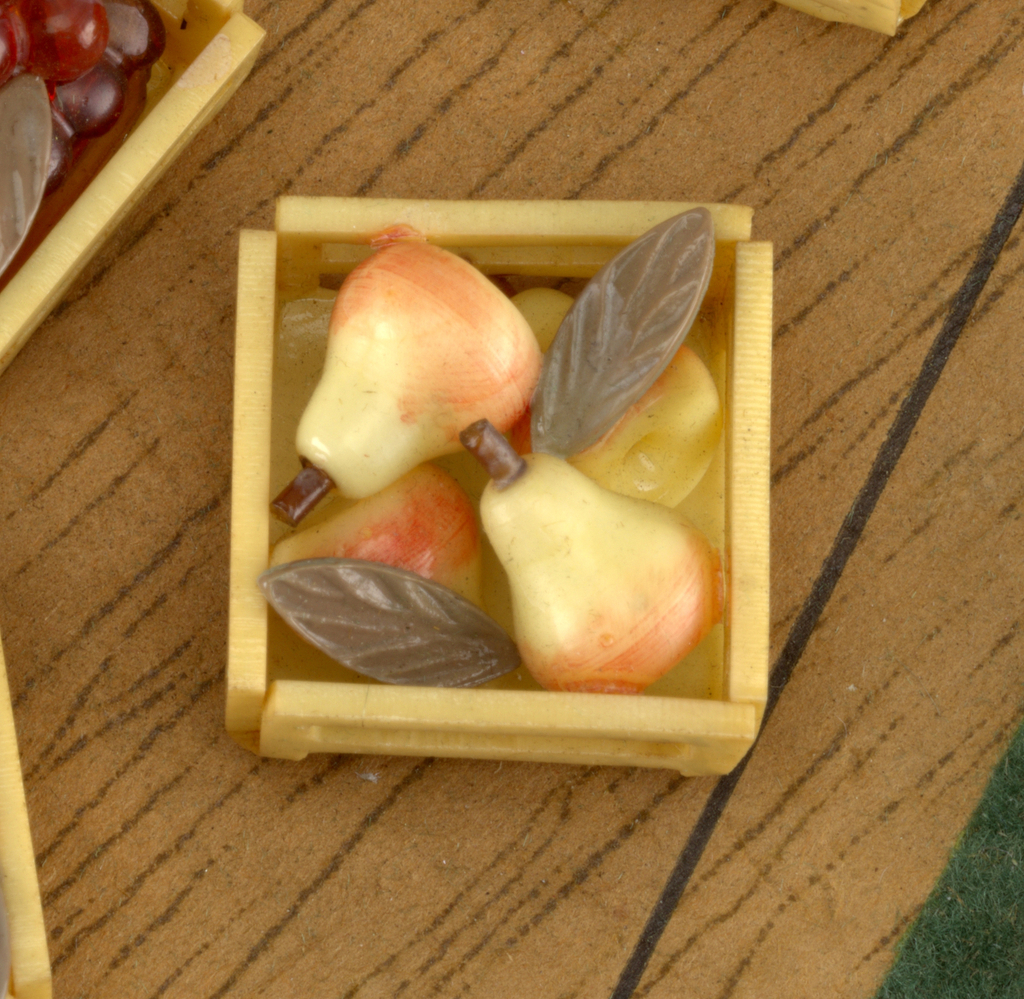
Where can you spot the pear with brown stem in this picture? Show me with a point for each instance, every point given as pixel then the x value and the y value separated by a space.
pixel 420 344
pixel 423 523
pixel 608 592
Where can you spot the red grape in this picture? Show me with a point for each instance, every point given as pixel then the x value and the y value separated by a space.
pixel 92 102
pixel 67 37
pixel 94 57
pixel 62 148
pixel 137 35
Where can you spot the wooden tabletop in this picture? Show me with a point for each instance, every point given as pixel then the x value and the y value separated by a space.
pixel 888 174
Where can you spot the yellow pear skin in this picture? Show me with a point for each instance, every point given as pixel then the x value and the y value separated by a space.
pixel 420 343
pixel 663 444
pixel 608 592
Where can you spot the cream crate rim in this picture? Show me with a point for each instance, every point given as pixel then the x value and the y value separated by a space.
pixel 203 88
pixel 333 714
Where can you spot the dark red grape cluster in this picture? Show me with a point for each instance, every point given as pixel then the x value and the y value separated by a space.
pixel 90 53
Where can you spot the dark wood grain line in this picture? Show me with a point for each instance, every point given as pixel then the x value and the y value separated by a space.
pixel 563 790
pixel 955 263
pixel 95 853
pixel 933 109
pixel 134 760
pixel 181 969
pixel 405 145
pixel 815 116
pixel 131 240
pixel 69 719
pixel 813 880
pixel 562 52
pixel 108 493
pixel 165 917
pixel 425 45
pixel 158 602
pixel 918 529
pixel 576 879
pixel 827 755
pixel 565 793
pixel 889 45
pixel 197 516
pixel 1003 284
pixel 794 461
pixel 301 28
pixel 203 948
pixel 737 974
pixel 1004 640
pixel 173 656
pixel 236 140
pixel 119 720
pixel 653 120
pixel 156 864
pixel 858 378
pixel 256 952
pixel 270 107
pixel 877 417
pixel 984 754
pixel 79 448
pixel 887 938
pixel 832 569
pixel 511 911
pixel 333 765
pixel 823 296
pixel 932 772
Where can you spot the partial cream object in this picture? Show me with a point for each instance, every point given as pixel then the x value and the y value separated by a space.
pixel 663 444
pixel 544 309
pixel 878 15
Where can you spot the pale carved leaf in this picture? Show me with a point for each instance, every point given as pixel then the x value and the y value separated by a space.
pixel 621 333
pixel 389 624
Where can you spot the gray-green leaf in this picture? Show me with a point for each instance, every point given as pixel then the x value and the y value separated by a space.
pixel 388 623
pixel 621 333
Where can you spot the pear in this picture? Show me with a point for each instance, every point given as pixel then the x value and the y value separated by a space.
pixel 663 444
pixel 420 343
pixel 608 592
pixel 423 523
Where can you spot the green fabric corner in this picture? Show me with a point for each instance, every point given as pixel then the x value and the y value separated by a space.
pixel 968 941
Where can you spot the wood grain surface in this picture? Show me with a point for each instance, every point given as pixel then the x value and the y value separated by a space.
pixel 888 174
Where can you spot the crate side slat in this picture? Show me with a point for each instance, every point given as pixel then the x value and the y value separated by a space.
pixel 491 223
pixel 189 104
pixel 250 478
pixel 748 456
pixel 694 737
pixel 30 960
pixel 509 711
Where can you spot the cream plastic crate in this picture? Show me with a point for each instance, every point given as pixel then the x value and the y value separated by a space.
pixel 202 66
pixel 878 15
pixel 285 699
pixel 30 962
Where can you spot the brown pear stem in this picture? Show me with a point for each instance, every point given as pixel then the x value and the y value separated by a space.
pixel 303 493
pixel 486 443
